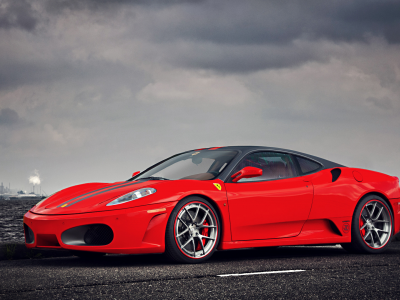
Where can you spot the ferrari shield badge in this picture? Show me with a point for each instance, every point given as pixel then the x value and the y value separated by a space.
pixel 218 186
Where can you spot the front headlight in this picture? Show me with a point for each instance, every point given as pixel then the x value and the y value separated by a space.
pixel 133 196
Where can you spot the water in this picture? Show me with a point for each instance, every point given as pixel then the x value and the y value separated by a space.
pixel 11 219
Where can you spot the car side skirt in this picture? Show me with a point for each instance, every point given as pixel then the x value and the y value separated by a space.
pixel 323 231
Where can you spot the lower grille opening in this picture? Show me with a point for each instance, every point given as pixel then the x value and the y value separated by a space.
pixel 29 236
pixel 98 235
pixel 88 235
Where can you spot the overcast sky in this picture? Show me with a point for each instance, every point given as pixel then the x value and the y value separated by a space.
pixel 93 90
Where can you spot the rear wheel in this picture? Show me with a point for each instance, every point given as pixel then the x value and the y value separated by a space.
pixel 193 231
pixel 372 226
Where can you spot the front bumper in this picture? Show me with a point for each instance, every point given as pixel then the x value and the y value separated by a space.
pixel 135 230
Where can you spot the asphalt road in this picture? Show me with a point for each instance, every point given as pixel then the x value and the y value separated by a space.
pixel 329 272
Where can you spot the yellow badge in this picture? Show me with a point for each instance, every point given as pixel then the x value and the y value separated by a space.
pixel 64 205
pixel 218 186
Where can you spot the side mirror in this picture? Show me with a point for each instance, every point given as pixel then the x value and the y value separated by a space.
pixel 135 173
pixel 246 172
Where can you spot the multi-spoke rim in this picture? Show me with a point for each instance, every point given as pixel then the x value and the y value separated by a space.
pixel 375 224
pixel 196 230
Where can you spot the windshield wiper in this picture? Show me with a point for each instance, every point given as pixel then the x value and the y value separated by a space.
pixel 153 178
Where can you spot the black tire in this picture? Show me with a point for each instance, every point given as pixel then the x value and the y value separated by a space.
pixel 348 247
pixel 371 227
pixel 200 231
pixel 88 254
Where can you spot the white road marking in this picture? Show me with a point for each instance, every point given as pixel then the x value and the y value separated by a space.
pixel 258 273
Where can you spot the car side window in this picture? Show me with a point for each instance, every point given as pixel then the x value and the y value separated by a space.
pixel 307 165
pixel 274 165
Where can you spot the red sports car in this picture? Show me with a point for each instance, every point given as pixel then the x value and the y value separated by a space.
pixel 201 200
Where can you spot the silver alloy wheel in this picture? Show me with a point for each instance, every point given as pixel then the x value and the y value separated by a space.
pixel 196 230
pixel 375 224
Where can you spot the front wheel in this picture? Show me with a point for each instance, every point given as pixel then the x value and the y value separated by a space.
pixel 193 231
pixel 372 226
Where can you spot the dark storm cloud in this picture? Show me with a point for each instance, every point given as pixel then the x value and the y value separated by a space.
pixel 17 14
pixel 242 59
pixel 262 22
pixel 238 22
pixel 255 35
pixel 15 74
pixel 60 5
pixel 225 36
pixel 8 117
pixel 356 20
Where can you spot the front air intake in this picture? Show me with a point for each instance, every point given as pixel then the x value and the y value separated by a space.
pixel 29 236
pixel 98 235
pixel 88 235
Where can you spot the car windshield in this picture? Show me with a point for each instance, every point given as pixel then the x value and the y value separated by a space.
pixel 198 165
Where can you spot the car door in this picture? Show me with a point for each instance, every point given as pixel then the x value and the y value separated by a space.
pixel 273 205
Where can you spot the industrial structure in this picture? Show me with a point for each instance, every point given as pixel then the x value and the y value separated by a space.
pixel 7 194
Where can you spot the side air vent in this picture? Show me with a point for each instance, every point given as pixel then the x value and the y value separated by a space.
pixel 335 174
pixel 88 235
pixel 334 227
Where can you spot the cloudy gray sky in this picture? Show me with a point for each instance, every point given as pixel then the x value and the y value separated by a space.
pixel 92 90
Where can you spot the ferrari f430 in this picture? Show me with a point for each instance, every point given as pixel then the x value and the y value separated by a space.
pixel 193 203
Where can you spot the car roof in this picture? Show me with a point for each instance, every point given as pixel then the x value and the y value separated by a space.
pixel 327 164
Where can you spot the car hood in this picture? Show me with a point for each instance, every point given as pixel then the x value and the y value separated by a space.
pixel 93 197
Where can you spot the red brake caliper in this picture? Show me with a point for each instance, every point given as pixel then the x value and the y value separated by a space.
pixel 203 231
pixel 361 225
